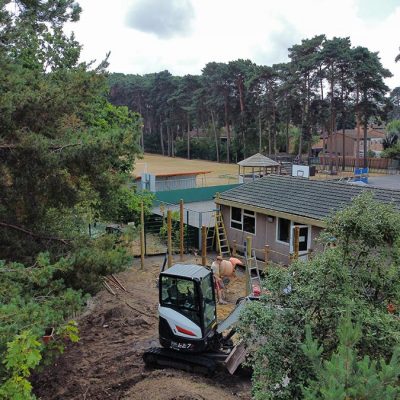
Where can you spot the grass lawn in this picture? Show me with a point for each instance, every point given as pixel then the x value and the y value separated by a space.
pixel 220 173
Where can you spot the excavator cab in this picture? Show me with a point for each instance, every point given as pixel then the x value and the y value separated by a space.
pixel 187 308
pixel 189 334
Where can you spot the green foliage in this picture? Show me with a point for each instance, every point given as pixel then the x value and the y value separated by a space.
pixel 392 152
pixel 201 148
pixel 321 89
pixel 23 354
pixel 65 151
pixel 390 143
pixel 175 218
pixel 125 203
pixel 344 375
pixel 393 127
pixel 361 275
pixel 66 158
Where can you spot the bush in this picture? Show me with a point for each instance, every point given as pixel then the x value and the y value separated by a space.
pixel 360 276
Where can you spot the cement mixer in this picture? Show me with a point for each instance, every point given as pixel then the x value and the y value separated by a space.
pixel 225 268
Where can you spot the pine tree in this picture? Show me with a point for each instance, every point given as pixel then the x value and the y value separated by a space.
pixel 347 376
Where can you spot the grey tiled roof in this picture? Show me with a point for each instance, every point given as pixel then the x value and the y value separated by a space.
pixel 258 160
pixel 301 196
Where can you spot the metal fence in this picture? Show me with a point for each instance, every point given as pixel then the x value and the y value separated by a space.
pixel 375 164
pixel 155 227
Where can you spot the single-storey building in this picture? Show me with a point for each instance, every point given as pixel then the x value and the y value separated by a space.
pixel 269 208
pixel 169 181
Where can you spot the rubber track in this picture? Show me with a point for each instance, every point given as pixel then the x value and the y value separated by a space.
pixel 161 357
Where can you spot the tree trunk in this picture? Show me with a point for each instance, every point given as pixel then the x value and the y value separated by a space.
pixel 162 139
pixel 332 127
pixel 215 135
pixel 168 141
pixel 269 140
pixel 324 146
pixel 244 145
pixel 322 126
pixel 358 129
pixel 344 125
pixel 173 141
pixel 188 137
pixel 260 133
pixel 228 132
pixel 299 155
pixel 241 96
pixel 274 127
pixel 287 137
pixel 365 144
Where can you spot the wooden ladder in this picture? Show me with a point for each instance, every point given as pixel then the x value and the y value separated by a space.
pixel 253 273
pixel 222 239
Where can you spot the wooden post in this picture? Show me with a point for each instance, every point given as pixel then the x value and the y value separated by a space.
pixel 266 254
pixel 203 245
pixel 296 242
pixel 169 243
pixel 248 246
pixel 141 235
pixel 234 248
pixel 181 226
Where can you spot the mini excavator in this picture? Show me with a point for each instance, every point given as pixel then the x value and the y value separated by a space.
pixel 189 334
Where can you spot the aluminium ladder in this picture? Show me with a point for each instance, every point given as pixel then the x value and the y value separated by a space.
pixel 253 272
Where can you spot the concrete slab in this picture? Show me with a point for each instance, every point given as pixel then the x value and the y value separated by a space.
pixel 385 182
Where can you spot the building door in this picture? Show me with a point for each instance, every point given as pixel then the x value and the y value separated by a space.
pixel 304 240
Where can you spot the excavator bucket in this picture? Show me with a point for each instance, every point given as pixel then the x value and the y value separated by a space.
pixel 236 357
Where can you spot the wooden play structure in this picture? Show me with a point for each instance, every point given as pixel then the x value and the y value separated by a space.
pixel 257 166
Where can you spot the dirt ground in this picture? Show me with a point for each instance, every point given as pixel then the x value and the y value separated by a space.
pixel 115 330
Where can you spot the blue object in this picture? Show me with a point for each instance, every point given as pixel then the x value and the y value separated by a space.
pixel 361 175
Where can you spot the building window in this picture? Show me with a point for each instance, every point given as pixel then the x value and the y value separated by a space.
pixel 244 220
pixel 236 218
pixel 283 232
pixel 249 221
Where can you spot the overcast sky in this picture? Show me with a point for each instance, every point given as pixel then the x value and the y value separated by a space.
pixel 183 35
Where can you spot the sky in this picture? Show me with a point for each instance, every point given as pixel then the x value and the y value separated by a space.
pixel 182 36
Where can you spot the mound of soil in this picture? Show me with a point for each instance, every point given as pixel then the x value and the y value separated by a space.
pixel 107 362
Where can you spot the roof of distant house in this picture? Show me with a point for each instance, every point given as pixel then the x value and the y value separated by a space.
pixel 199 133
pixel 300 196
pixel 371 133
pixel 258 160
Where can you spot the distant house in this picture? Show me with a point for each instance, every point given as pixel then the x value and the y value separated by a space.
pixel 196 133
pixel 334 144
pixel 269 208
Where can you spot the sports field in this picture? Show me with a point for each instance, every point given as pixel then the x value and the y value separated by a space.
pixel 220 173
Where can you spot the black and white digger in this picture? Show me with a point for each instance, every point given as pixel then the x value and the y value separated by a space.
pixel 189 334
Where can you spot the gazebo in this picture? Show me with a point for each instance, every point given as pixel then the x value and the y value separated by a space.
pixel 256 166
